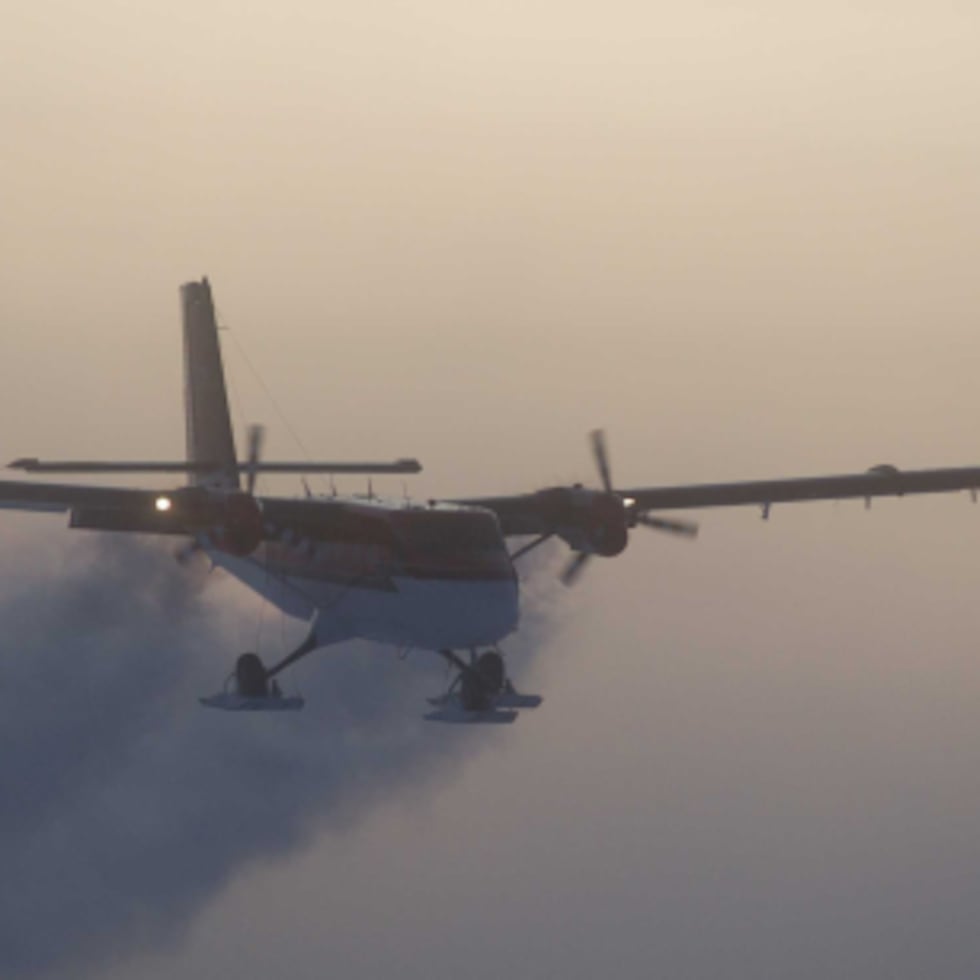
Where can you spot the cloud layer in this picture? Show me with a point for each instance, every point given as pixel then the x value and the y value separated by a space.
pixel 125 806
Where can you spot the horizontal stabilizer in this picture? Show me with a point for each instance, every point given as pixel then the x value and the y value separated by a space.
pixel 33 465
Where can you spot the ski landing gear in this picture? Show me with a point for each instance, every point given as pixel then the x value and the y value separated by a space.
pixel 481 692
pixel 249 687
pixel 252 687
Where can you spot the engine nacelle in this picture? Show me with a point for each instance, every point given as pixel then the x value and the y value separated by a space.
pixel 607 525
pixel 233 521
pixel 589 521
pixel 240 529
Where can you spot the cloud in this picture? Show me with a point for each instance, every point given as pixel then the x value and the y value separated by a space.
pixel 125 806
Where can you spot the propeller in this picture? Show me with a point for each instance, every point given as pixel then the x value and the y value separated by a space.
pixel 576 565
pixel 686 528
pixel 188 552
pixel 233 520
pixel 601 454
pixel 255 439
pixel 634 514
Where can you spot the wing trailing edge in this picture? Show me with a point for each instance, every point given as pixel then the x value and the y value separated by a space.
pixel 536 513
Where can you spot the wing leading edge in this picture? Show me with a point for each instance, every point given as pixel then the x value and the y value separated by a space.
pixel 533 513
pixel 60 497
pixel 879 481
pixel 187 510
pixel 519 514
pixel 97 508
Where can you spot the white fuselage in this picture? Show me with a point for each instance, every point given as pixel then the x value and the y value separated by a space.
pixel 430 595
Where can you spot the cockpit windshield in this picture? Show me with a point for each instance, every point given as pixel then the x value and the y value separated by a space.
pixel 439 533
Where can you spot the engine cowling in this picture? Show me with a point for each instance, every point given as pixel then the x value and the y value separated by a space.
pixel 232 521
pixel 607 529
pixel 589 521
pixel 240 528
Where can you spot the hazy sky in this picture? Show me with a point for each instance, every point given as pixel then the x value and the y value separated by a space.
pixel 742 237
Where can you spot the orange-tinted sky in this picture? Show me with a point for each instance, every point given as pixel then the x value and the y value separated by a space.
pixel 565 215
pixel 742 237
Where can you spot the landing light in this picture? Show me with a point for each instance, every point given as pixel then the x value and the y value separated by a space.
pixel 163 504
pixel 628 501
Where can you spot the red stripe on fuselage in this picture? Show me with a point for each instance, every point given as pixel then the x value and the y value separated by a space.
pixel 373 544
pixel 372 566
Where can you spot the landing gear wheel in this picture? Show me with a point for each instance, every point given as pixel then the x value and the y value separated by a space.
pixel 252 690
pixel 251 677
pixel 490 667
pixel 481 692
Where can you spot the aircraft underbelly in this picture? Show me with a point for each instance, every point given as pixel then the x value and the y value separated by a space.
pixel 432 614
pixel 425 613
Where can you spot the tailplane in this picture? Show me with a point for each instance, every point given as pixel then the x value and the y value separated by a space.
pixel 211 461
pixel 209 435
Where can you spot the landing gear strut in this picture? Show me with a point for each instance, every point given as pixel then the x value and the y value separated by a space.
pixel 479 692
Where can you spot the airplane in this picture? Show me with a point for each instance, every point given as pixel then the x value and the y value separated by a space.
pixel 435 576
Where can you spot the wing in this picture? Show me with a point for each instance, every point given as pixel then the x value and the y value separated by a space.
pixel 18 495
pixel 521 514
pixel 189 510
pixel 545 511
pixel 879 481
pixel 103 508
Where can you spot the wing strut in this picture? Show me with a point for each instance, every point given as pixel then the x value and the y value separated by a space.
pixel 307 646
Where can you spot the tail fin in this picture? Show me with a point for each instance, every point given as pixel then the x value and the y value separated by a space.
pixel 209 435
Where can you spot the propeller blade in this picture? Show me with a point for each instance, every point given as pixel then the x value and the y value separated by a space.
pixel 185 553
pixel 575 568
pixel 598 438
pixel 192 554
pixel 256 436
pixel 685 528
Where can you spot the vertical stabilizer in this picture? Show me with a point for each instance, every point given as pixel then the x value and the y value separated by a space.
pixel 209 435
